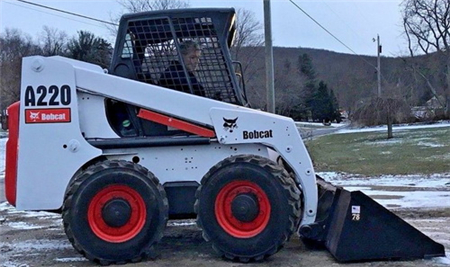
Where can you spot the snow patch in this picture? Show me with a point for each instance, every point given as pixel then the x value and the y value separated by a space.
pixel 443 260
pixel 2 156
pixel 385 142
pixel 5 206
pixel 72 259
pixel 37 245
pixel 319 124
pixel 411 199
pixel 395 128
pixel 437 180
pixel 23 226
pixel 434 193
pixel 429 144
pixel 13 264
pixel 182 223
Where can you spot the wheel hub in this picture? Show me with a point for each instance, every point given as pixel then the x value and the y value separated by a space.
pixel 242 209
pixel 245 208
pixel 116 212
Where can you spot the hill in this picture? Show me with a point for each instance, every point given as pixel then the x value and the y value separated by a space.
pixel 352 77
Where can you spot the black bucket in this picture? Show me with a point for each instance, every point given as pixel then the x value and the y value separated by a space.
pixel 353 227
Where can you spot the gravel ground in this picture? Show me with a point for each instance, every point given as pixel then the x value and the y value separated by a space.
pixel 38 239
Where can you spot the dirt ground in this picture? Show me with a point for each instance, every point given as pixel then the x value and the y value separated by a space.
pixel 38 239
pixel 182 245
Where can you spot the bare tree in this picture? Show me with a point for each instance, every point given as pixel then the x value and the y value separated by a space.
pixel 134 6
pixel 247 48
pixel 13 46
pixel 52 41
pixel 290 94
pixel 427 28
pixel 248 43
pixel 376 111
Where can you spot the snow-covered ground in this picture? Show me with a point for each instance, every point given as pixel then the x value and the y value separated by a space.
pixel 2 155
pixel 320 125
pixel 395 127
pixel 410 191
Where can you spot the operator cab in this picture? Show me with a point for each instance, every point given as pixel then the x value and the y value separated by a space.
pixel 149 42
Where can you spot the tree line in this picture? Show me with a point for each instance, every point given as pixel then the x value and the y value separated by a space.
pixel 415 79
pixel 301 95
pixel 15 45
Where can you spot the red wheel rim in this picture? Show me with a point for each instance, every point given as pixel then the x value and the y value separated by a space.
pixel 134 224
pixel 224 214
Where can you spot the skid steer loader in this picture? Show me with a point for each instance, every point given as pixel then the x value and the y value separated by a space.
pixel 118 154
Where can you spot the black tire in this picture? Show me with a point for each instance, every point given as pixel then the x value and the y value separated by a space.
pixel 247 207
pixel 115 212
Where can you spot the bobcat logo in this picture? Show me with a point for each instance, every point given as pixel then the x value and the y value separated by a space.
pixel 229 124
pixel 34 116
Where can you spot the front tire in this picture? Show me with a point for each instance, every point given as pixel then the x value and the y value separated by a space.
pixel 115 212
pixel 248 207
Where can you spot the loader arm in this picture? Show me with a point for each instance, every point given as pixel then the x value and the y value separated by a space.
pixel 251 126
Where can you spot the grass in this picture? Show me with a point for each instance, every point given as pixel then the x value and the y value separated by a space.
pixel 413 151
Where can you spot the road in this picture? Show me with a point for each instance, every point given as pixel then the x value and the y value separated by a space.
pixel 324 131
pixel 310 130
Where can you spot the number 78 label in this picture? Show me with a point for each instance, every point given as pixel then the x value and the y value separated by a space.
pixel 356 213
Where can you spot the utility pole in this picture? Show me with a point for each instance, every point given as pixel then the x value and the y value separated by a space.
pixel 387 104
pixel 269 58
pixel 378 65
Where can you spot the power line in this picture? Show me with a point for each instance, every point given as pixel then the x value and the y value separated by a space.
pixel 67 12
pixel 320 25
pixel 50 13
pixel 362 58
pixel 331 34
pixel 343 21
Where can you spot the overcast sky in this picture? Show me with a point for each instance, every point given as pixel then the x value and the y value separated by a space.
pixel 354 22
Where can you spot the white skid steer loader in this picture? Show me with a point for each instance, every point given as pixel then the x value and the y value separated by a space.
pixel 120 152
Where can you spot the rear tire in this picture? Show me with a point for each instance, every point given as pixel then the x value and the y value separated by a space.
pixel 115 212
pixel 247 207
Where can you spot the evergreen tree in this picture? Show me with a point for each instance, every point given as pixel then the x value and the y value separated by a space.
pixel 306 69
pixel 324 105
pixel 89 48
pixel 320 103
pixel 336 114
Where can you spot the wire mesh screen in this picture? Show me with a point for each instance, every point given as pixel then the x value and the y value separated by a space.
pixel 154 47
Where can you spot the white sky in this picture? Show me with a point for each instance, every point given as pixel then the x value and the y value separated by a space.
pixel 354 22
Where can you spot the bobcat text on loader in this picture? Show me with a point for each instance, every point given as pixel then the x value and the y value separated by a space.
pixel 132 154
